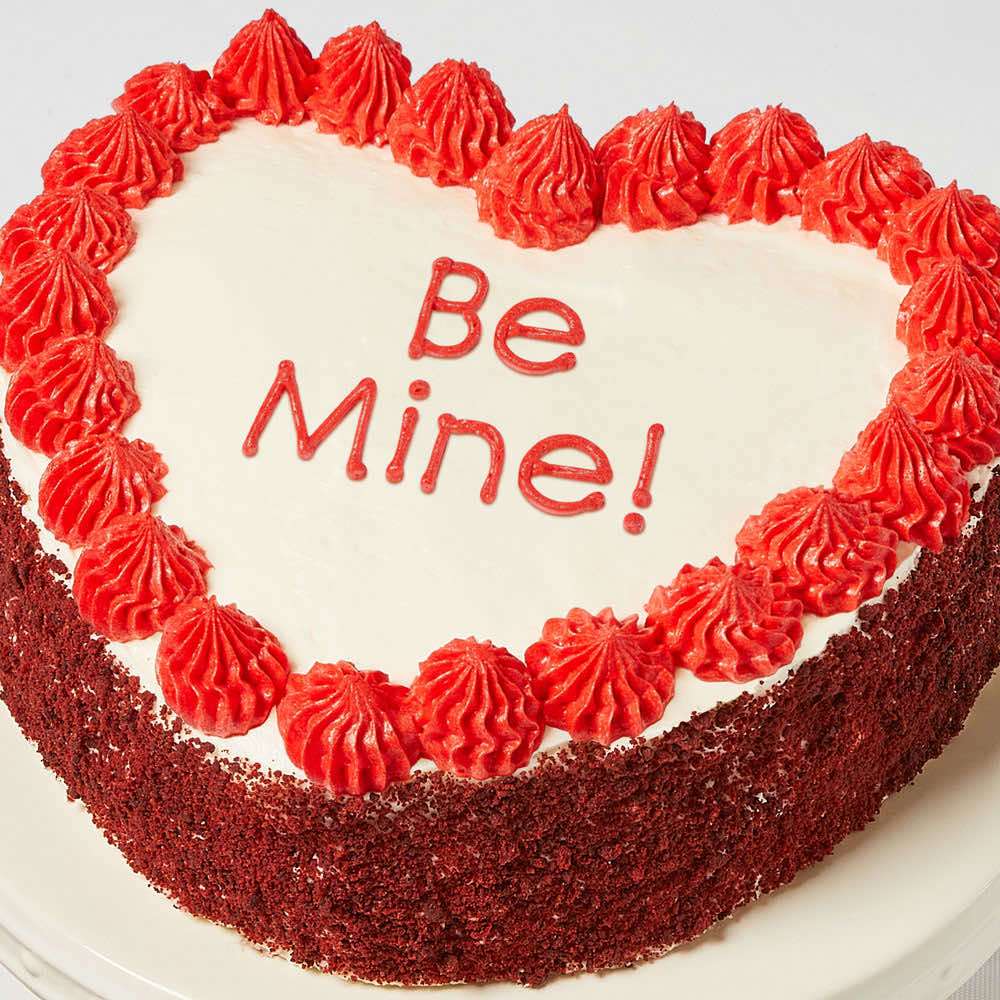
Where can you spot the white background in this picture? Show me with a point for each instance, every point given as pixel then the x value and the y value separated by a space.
pixel 924 75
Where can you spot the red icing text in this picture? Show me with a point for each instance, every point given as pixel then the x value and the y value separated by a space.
pixel 593 466
pixel 362 394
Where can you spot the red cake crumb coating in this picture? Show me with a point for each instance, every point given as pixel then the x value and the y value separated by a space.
pixel 543 189
pixel 727 623
pixel 52 296
pixel 758 159
pixel 347 729
pixel 830 552
pixel 474 708
pixel 179 101
pixel 849 196
pixel 946 222
pixel 96 479
pixel 955 399
pixel 134 574
pixel 526 877
pixel 92 226
pixel 219 669
pixel 952 304
pixel 449 123
pixel 121 155
pixel 910 479
pixel 267 72
pixel 600 678
pixel 362 76
pixel 76 386
pixel 654 167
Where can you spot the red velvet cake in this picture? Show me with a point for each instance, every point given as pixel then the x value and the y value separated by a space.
pixel 666 547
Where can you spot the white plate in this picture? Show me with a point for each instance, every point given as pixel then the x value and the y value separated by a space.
pixel 908 908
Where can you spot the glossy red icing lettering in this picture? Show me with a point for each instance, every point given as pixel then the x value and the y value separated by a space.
pixel 449 425
pixel 634 523
pixel 534 465
pixel 467 309
pixel 362 394
pixel 510 326
pixel 407 427
pixel 641 495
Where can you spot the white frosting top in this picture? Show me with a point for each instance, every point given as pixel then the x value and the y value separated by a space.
pixel 762 350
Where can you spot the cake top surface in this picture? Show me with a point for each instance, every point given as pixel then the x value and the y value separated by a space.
pixel 553 462
pixel 284 245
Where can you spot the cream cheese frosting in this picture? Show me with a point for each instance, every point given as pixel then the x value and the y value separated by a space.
pixel 762 351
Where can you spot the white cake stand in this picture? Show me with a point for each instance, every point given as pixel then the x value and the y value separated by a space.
pixel 907 909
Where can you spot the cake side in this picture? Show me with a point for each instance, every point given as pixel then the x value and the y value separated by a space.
pixel 591 860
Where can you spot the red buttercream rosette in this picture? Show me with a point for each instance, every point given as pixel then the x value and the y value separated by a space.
pixel 179 101
pixel 850 196
pixel 758 159
pixel 727 623
pixel 121 155
pixel 956 399
pixel 52 296
pixel 134 574
pixel 219 669
pixel 829 551
pixel 952 304
pixel 362 76
pixel 266 72
pixel 92 226
pixel 475 710
pixel 654 166
pixel 96 479
pixel 543 188
pixel 76 386
pixel 346 729
pixel 600 678
pixel 449 123
pixel 910 479
pixel 946 222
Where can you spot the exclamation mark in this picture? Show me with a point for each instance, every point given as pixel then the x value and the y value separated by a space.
pixel 634 523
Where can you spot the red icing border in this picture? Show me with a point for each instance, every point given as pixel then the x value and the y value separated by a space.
pixel 542 186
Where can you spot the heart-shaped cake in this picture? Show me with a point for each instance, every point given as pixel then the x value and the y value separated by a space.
pixel 446 550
